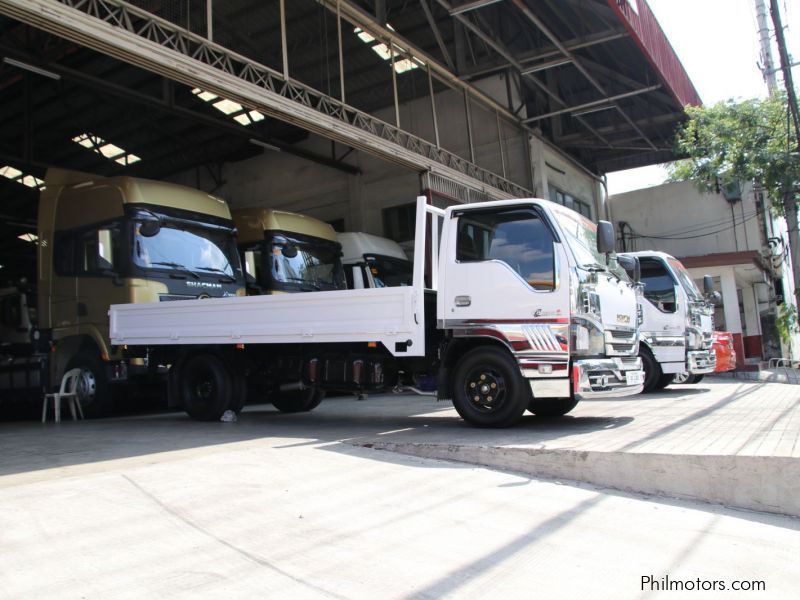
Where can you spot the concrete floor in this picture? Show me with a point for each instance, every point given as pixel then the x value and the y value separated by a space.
pixel 304 506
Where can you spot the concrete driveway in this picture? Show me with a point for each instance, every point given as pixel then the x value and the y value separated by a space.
pixel 305 506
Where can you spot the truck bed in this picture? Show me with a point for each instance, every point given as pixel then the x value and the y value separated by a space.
pixel 392 316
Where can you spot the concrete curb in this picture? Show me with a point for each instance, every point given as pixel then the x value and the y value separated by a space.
pixel 761 483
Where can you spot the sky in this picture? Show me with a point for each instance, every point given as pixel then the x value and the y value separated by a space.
pixel 717 42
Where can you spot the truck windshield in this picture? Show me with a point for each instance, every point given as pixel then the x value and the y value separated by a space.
pixel 685 280
pixel 316 266
pixel 388 271
pixel 581 236
pixel 197 251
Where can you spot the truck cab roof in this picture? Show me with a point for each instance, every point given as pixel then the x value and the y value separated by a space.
pixel 251 224
pixel 355 244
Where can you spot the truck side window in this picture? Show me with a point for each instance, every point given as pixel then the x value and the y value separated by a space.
pixel 97 248
pixel 659 287
pixel 518 237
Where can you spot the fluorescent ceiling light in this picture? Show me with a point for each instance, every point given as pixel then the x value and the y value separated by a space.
pixel 233 109
pixel 28 237
pixel 21 178
pixel 401 65
pixel 106 149
pixel 31 68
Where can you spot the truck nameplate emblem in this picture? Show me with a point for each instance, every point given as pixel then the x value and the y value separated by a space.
pixel 623 318
pixel 205 284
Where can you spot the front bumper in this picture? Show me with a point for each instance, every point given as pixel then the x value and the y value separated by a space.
pixel 699 362
pixel 607 377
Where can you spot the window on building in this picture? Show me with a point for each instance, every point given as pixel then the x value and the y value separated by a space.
pixel 659 287
pixel 517 237
pixel 564 199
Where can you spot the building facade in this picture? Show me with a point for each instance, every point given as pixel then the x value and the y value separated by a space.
pixel 737 238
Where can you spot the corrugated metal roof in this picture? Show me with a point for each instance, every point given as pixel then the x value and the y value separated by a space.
pixel 643 27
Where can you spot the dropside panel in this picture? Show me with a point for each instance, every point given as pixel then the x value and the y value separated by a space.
pixel 391 316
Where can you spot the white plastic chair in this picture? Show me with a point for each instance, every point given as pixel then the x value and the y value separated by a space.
pixel 69 390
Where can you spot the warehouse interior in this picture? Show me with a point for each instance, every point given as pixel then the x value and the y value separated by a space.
pixel 342 109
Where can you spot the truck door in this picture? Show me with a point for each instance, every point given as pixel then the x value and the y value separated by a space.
pixel 504 264
pixel 664 322
pixel 99 286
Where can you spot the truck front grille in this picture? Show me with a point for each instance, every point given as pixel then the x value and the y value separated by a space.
pixel 621 342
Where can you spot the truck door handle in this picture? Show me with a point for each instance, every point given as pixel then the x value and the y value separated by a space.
pixel 463 301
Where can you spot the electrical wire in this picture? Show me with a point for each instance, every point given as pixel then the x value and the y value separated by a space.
pixel 704 225
pixel 691 237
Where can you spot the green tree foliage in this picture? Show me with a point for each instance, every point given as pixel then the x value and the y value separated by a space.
pixel 752 140
pixel 740 141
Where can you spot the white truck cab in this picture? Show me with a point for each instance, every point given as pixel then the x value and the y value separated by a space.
pixel 677 321
pixel 371 261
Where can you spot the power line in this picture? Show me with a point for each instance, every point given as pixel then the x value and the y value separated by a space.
pixel 692 237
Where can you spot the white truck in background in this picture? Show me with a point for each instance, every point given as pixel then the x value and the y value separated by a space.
pixel 677 321
pixel 523 313
pixel 371 261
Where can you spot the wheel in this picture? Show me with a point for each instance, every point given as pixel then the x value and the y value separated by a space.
pixel 94 393
pixel 205 386
pixel 488 390
pixel 298 400
pixel 551 407
pixel 652 371
pixel 664 381
pixel 685 377
pixel 682 377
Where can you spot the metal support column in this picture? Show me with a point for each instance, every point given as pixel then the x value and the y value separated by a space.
pixel 500 143
pixel 284 51
pixel 341 54
pixel 433 108
pixel 469 127
pixel 394 85
pixel 210 20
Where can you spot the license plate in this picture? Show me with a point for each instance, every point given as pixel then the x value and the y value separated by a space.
pixel 634 377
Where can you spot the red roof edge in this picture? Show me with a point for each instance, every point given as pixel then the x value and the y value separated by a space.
pixel 648 35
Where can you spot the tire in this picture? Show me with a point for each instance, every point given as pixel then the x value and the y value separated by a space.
pixel 205 387
pixel 697 378
pixel 94 392
pixel 551 407
pixel 652 371
pixel 488 390
pixel 664 381
pixel 298 400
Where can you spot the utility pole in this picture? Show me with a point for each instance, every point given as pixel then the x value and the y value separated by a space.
pixel 767 65
pixel 786 68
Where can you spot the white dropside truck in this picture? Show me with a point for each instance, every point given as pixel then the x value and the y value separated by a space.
pixel 523 314
pixel 372 261
pixel 677 321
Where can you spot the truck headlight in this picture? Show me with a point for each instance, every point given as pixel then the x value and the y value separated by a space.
pixel 587 338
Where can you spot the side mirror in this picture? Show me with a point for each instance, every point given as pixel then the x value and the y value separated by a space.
pixel 631 266
pixel 289 250
pixel 605 237
pixel 716 298
pixel 708 285
pixel 150 228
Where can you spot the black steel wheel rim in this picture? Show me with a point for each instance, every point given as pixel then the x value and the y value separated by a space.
pixel 485 389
